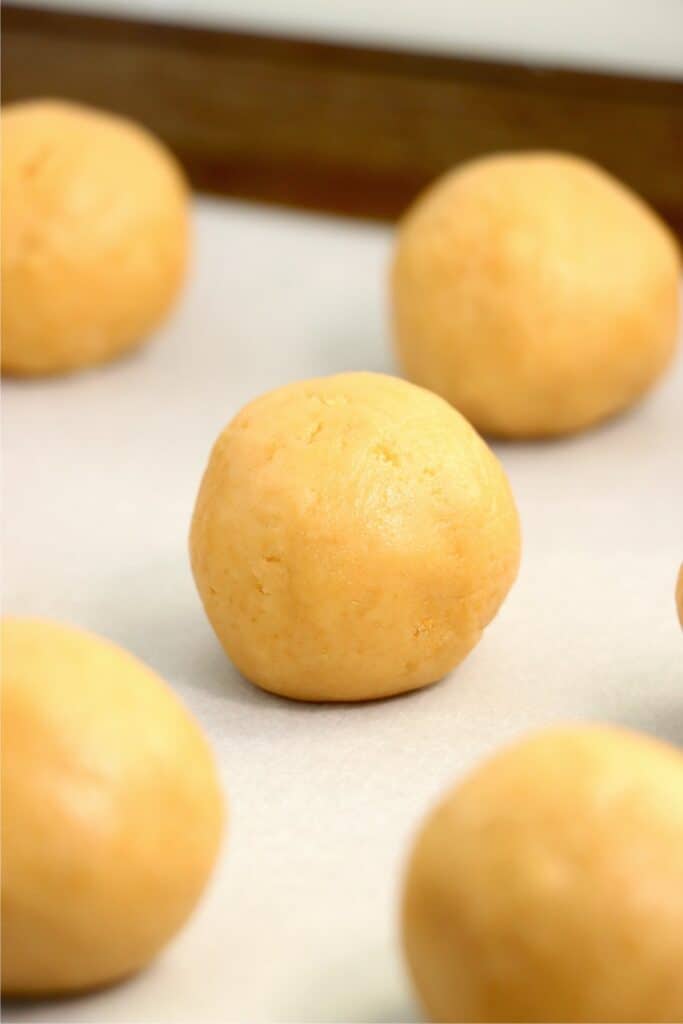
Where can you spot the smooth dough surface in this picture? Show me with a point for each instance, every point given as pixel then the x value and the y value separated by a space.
pixel 94 236
pixel 679 595
pixel 111 811
pixel 352 537
pixel 549 885
pixel 534 292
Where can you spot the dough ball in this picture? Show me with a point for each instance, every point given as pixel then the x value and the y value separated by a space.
pixel 535 293
pixel 94 236
pixel 111 811
pixel 549 885
pixel 679 595
pixel 352 538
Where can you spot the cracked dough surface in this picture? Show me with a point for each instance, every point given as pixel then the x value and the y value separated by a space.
pixel 94 236
pixel 548 886
pixel 111 810
pixel 535 292
pixel 352 537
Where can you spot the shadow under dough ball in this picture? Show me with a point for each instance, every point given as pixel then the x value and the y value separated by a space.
pixel 534 292
pixel 94 236
pixel 352 537
pixel 548 886
pixel 111 811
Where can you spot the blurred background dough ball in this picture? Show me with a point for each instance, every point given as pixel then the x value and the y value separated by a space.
pixel 94 236
pixel 549 885
pixel 352 538
pixel 111 811
pixel 534 292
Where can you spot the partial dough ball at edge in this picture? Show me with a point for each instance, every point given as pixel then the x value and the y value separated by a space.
pixel 95 235
pixel 112 811
pixel 548 885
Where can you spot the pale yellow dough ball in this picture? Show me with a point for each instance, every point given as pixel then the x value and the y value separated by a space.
pixel 534 292
pixel 549 885
pixel 352 538
pixel 94 236
pixel 111 811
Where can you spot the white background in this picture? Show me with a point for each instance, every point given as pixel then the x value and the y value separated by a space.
pixel 638 36
pixel 100 474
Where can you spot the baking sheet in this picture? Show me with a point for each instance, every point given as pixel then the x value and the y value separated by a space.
pixel 100 475
pixel 634 36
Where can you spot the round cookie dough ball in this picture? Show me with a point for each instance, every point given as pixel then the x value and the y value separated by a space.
pixel 534 292
pixel 94 236
pixel 352 538
pixel 549 885
pixel 111 811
